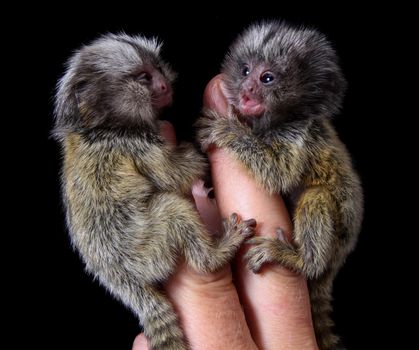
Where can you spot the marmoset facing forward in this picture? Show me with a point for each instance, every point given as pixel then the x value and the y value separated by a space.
pixel 125 190
pixel 284 84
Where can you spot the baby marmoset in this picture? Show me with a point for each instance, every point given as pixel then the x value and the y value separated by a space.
pixel 126 192
pixel 284 85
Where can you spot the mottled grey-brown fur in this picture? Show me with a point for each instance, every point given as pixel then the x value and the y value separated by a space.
pixel 293 149
pixel 127 192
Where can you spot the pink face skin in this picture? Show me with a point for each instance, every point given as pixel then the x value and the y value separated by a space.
pixel 250 99
pixel 162 91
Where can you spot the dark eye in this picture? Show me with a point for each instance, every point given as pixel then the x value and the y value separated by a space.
pixel 267 78
pixel 245 71
pixel 144 77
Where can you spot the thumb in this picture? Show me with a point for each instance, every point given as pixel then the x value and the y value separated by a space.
pixel 214 97
pixel 168 132
pixel 140 343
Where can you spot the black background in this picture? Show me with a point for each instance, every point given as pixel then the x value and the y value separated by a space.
pixel 76 312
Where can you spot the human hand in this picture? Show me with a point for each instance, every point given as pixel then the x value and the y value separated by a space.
pixel 207 305
pixel 275 301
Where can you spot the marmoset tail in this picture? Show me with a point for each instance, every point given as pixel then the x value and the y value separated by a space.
pixel 284 84
pixel 126 192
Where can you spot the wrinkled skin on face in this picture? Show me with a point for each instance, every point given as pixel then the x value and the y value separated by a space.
pixel 118 80
pixel 274 72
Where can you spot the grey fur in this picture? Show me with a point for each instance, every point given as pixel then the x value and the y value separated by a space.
pixel 126 192
pixel 310 80
pixel 292 149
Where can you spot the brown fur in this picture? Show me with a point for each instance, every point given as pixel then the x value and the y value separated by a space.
pixel 291 148
pixel 127 192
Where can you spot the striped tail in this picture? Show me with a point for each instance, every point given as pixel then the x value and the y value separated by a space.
pixel 161 324
pixel 321 309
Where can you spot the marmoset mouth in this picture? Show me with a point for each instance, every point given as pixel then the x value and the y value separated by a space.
pixel 163 100
pixel 250 106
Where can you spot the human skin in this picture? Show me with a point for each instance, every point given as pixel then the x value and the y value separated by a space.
pixel 269 310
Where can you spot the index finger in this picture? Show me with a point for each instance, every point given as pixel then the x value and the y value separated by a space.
pixel 276 301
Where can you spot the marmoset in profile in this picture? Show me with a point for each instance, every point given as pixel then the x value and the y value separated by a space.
pixel 283 85
pixel 127 192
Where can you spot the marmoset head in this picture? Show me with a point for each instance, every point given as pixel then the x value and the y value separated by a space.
pixel 117 80
pixel 274 72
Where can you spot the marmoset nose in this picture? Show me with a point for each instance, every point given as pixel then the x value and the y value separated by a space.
pixel 161 86
pixel 249 86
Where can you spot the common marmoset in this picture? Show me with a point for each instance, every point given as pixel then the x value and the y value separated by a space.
pixel 283 85
pixel 126 192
